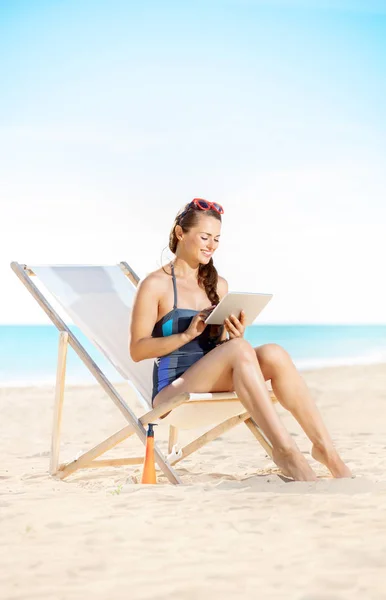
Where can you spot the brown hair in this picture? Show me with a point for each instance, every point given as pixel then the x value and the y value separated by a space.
pixel 207 274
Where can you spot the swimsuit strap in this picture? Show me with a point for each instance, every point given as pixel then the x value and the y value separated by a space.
pixel 174 287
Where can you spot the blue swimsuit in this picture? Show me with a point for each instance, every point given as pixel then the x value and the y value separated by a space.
pixel 171 366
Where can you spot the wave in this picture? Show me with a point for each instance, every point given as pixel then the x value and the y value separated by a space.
pixel 373 358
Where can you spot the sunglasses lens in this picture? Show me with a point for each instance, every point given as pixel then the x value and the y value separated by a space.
pixel 218 207
pixel 203 204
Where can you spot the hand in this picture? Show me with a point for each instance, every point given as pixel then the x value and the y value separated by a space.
pixel 198 324
pixel 235 326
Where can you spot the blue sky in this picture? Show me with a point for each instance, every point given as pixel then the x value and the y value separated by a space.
pixel 114 114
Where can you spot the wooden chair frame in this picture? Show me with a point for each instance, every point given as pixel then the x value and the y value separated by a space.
pixel 135 425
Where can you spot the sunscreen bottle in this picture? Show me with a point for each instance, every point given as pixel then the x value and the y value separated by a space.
pixel 149 474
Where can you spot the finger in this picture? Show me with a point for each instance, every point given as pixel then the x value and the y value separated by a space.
pixel 212 307
pixel 238 327
pixel 241 322
pixel 236 323
pixel 202 316
pixel 231 327
pixel 207 311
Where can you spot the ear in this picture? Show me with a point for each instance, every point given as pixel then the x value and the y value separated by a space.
pixel 179 232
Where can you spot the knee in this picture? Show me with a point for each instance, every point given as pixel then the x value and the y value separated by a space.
pixel 241 349
pixel 272 356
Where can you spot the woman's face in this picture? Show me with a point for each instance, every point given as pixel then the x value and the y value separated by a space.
pixel 202 240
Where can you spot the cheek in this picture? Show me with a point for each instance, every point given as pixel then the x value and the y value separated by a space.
pixel 196 244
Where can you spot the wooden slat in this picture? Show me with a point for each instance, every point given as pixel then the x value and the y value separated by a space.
pixel 250 423
pixel 29 271
pixel 165 407
pixel 128 271
pixel 211 435
pixel 210 396
pixel 58 406
pixel 173 437
pixel 86 458
pixel 116 462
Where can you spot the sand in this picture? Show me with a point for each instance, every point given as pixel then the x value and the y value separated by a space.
pixel 235 530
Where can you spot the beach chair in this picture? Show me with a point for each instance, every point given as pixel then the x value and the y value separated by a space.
pixel 98 300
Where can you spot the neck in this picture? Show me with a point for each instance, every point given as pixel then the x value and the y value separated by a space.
pixel 186 269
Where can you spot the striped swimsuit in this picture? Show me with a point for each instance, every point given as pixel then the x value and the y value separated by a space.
pixel 171 366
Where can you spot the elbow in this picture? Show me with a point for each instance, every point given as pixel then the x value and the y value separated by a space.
pixel 134 354
pixel 135 358
pixel 139 351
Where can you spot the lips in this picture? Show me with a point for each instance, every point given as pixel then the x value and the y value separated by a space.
pixel 208 254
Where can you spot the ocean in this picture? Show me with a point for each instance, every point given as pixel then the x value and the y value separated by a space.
pixel 28 353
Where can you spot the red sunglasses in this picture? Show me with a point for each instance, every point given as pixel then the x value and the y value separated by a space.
pixel 206 205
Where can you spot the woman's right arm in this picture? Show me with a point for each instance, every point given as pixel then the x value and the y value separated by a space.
pixel 144 317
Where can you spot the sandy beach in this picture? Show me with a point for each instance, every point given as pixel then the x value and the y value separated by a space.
pixel 235 530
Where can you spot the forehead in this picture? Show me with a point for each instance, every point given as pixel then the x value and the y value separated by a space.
pixel 208 224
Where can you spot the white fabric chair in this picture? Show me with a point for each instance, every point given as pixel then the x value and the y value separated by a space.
pixel 98 299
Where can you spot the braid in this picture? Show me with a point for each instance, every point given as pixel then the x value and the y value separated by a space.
pixel 208 277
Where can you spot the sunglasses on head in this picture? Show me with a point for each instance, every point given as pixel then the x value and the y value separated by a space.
pixel 206 205
pixel 202 204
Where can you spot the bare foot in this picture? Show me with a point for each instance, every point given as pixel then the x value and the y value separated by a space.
pixel 293 464
pixel 332 460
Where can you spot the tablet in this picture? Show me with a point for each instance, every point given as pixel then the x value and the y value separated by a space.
pixel 234 302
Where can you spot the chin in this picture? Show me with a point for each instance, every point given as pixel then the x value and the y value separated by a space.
pixel 204 259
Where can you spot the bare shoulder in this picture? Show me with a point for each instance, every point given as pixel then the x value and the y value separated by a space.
pixel 155 282
pixel 222 287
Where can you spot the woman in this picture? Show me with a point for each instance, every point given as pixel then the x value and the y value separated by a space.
pixel 168 324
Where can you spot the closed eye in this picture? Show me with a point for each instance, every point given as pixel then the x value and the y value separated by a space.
pixel 206 239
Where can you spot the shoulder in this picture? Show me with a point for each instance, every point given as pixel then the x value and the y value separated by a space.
pixel 154 282
pixel 222 287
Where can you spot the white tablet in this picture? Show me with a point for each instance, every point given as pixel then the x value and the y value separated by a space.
pixel 234 302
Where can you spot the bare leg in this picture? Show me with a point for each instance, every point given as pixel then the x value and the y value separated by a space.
pixel 292 392
pixel 233 366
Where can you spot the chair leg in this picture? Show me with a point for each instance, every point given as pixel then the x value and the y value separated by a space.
pixel 173 437
pixel 211 435
pixel 256 431
pixel 59 397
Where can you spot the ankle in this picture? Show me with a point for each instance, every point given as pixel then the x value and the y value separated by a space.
pixel 326 450
pixel 319 445
pixel 285 449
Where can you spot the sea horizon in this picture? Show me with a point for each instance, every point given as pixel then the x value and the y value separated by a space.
pixel 28 353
